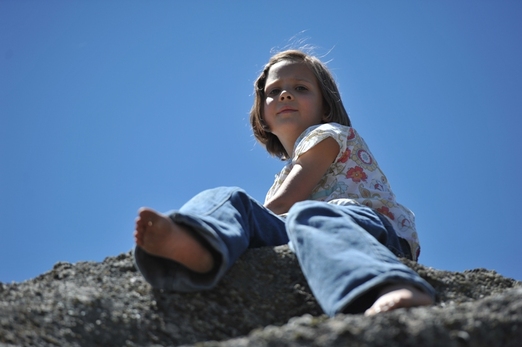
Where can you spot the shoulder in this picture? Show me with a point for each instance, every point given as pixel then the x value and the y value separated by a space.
pixel 318 133
pixel 333 128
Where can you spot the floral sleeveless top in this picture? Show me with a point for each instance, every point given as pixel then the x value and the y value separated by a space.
pixel 353 178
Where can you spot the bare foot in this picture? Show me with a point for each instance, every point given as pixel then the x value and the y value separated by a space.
pixel 158 235
pixel 397 296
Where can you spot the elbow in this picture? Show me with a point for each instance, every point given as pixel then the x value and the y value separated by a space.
pixel 278 207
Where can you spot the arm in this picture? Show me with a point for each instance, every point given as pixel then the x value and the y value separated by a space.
pixel 304 176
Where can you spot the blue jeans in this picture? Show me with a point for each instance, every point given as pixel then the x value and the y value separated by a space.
pixel 346 252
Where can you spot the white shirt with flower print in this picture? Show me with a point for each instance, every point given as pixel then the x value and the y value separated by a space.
pixel 353 178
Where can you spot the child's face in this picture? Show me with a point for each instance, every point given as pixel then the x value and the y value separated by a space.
pixel 293 99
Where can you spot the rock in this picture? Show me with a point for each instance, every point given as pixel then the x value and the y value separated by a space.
pixel 263 301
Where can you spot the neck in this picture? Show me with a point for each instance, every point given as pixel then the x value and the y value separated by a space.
pixel 288 142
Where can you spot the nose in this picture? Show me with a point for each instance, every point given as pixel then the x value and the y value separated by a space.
pixel 285 96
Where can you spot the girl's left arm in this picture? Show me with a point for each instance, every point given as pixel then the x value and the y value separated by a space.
pixel 304 176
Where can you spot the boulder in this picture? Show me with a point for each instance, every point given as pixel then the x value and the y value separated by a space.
pixel 263 300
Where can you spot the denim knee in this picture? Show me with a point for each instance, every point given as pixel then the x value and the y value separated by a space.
pixel 307 208
pixel 361 216
pixel 208 201
pixel 302 214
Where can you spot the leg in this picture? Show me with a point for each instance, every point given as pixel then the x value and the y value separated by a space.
pixel 342 256
pixel 224 221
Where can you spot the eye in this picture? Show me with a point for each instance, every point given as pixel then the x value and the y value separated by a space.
pixel 301 88
pixel 273 92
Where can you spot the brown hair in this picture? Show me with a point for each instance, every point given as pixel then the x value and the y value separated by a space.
pixel 331 99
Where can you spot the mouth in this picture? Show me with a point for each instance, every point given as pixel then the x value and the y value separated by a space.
pixel 286 110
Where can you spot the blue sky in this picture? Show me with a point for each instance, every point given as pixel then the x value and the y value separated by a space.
pixel 109 106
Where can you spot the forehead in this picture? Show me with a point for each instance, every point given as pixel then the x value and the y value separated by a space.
pixel 290 70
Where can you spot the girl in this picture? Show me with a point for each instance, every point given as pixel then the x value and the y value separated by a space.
pixel 331 202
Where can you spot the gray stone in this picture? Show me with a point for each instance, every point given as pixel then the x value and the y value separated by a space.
pixel 263 301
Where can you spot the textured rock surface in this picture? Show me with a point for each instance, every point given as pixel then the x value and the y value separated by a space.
pixel 262 301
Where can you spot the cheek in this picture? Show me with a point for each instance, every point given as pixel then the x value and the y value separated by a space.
pixel 322 106
pixel 312 104
pixel 266 106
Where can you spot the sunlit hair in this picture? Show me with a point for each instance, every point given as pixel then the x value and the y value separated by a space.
pixel 334 109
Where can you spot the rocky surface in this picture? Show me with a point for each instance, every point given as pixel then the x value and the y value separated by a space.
pixel 262 301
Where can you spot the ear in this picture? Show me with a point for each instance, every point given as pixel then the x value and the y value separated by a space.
pixel 326 114
pixel 326 117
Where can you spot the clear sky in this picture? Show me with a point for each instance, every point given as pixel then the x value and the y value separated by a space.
pixel 106 106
